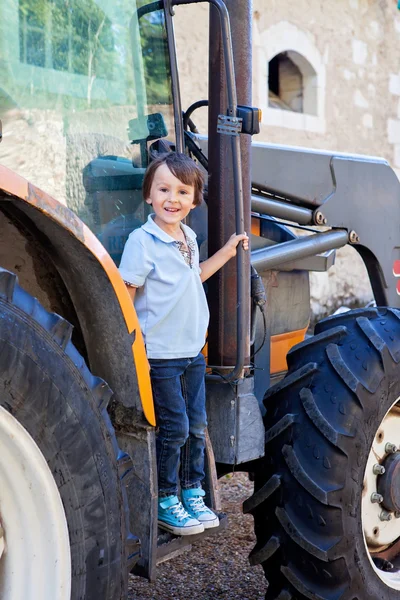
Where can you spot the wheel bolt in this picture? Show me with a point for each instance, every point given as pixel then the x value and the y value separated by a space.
pixel 390 448
pixel 376 498
pixel 385 516
pixel 378 469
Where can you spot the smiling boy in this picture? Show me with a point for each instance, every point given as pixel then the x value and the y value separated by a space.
pixel 160 266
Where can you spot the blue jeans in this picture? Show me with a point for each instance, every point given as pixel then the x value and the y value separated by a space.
pixel 179 400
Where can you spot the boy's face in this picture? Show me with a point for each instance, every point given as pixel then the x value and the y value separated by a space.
pixel 171 199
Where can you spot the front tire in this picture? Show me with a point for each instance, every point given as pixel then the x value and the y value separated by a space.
pixel 46 387
pixel 314 515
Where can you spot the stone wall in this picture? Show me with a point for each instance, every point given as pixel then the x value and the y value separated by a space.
pixel 351 46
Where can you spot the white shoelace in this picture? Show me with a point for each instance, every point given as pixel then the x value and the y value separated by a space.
pixel 180 512
pixel 197 504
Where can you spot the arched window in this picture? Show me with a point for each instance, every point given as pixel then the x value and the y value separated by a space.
pixel 285 84
pixel 292 83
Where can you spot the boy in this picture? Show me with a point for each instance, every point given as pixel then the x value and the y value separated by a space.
pixel 160 266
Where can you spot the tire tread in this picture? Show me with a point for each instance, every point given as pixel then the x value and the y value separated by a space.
pixel 321 406
pixel 58 331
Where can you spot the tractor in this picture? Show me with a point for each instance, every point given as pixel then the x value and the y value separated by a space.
pixel 89 95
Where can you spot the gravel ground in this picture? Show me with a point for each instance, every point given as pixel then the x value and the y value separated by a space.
pixel 217 568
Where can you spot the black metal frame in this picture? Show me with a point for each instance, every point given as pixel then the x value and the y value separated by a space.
pixel 237 171
pixel 179 130
pixel 165 6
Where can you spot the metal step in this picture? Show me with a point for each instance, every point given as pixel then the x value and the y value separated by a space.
pixel 170 545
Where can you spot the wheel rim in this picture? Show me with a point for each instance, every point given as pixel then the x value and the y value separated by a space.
pixel 379 507
pixel 35 553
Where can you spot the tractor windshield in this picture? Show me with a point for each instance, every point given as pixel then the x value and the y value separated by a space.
pixel 85 87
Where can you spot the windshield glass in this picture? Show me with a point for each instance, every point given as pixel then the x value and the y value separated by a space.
pixel 85 87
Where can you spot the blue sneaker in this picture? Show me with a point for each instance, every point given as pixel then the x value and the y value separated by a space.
pixel 193 502
pixel 174 518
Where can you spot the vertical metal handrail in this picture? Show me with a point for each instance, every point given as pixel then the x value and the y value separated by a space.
pixel 237 177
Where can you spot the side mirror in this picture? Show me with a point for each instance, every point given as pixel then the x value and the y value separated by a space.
pixel 147 127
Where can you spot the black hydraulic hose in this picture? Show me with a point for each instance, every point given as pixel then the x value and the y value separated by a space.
pixel 188 113
pixel 259 299
pixel 191 144
pixel 264 334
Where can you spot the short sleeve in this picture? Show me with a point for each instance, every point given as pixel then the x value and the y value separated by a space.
pixel 135 262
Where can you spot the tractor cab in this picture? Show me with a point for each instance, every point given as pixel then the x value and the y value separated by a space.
pixel 84 91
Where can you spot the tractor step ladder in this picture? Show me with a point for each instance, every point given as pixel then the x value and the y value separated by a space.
pixel 170 545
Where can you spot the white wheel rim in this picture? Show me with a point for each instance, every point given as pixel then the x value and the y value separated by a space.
pixel 379 534
pixel 35 554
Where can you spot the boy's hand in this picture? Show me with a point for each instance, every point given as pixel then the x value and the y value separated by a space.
pixel 234 240
pixel 217 260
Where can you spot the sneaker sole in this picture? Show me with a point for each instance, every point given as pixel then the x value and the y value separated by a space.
pixel 210 524
pixel 182 530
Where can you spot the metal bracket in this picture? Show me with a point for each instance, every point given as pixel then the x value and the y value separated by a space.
pixel 317 263
pixel 229 125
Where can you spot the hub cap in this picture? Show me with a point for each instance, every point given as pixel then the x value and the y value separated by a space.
pixel 381 500
pixel 389 484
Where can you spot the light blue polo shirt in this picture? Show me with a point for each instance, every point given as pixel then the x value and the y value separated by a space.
pixel 170 301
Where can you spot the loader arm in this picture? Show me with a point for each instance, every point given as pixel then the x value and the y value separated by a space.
pixel 358 193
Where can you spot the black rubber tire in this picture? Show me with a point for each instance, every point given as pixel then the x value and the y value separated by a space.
pixel 46 386
pixel 320 424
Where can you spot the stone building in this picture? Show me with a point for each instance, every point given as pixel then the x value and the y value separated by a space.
pixel 326 75
pixel 336 65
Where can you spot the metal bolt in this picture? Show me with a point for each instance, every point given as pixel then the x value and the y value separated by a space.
pixel 354 238
pixel 378 469
pixel 385 516
pixel 319 218
pixel 376 498
pixel 390 448
pixel 397 514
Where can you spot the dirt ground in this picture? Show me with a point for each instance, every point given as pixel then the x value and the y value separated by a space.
pixel 217 568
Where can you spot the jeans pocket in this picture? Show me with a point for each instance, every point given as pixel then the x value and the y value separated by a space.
pixel 167 368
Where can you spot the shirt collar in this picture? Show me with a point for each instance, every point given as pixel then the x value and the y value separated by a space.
pixel 151 227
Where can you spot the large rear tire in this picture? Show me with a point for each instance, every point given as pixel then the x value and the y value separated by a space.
pixel 319 496
pixel 46 387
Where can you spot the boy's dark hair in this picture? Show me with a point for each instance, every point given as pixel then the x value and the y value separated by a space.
pixel 184 169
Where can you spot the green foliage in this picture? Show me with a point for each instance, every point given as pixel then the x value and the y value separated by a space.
pixel 77 37
pixel 155 58
pixel 67 35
